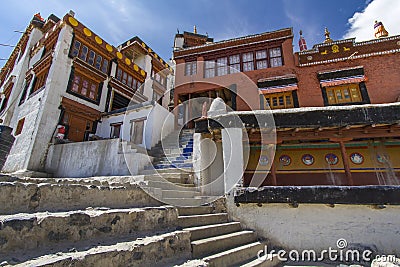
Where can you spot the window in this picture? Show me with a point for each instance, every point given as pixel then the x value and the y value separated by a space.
pixel 83 53
pixel 25 91
pixel 116 130
pixel 348 93
pixel 275 57
pixel 137 128
pixel 234 64
pixel 156 96
pixel 127 79
pixel 104 67
pixel 209 69
pixel 90 56
pixel 190 68
pixel 222 66
pixel 3 104
pixel 76 48
pixel 40 81
pixel 85 87
pixel 98 62
pixel 160 79
pixel 248 63
pixel 279 100
pixel 261 59
pixel 20 125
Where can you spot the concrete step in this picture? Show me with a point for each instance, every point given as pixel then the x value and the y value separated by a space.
pixel 200 220
pixel 173 178
pixel 184 211
pixel 169 170
pixel 29 197
pixel 183 202
pixel 271 260
pixel 235 256
pixel 171 186
pixel 216 244
pixel 179 194
pixel 24 231
pixel 147 251
pixel 206 231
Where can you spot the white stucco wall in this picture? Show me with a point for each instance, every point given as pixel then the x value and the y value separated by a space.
pixel 158 124
pixel 42 111
pixel 95 158
pixel 19 71
pixel 318 226
pixel 104 128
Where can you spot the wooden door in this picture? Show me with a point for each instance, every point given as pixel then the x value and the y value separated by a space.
pixel 77 128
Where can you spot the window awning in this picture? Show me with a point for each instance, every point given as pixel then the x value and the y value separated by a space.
pixel 278 89
pixel 344 80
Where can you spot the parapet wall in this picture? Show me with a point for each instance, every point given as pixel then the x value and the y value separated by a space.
pixel 318 227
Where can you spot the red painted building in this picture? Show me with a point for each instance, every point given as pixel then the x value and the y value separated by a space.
pixel 357 76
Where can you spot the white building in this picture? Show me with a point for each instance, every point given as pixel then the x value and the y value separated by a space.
pixel 62 73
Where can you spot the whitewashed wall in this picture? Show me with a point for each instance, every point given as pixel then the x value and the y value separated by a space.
pixel 95 158
pixel 318 226
pixel 158 123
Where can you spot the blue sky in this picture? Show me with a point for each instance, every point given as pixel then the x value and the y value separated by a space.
pixel 157 21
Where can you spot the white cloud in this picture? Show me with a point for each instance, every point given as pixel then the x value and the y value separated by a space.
pixel 362 23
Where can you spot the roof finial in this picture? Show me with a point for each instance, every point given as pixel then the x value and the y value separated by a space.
pixel 195 29
pixel 302 42
pixel 327 36
pixel 380 30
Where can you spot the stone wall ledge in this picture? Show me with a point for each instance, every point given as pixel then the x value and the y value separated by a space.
pixel 351 195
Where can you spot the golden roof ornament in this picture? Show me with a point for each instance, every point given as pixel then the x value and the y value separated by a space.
pixel 380 31
pixel 194 29
pixel 327 37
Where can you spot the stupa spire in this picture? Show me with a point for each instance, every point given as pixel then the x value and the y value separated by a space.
pixel 380 30
pixel 327 36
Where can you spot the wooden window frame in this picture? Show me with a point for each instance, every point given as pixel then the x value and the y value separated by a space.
pixel 353 90
pixel 234 65
pixel 261 59
pixel 133 127
pixel 113 126
pixel 190 68
pixel 91 82
pixel 40 81
pixel 76 51
pixel 271 58
pixel 20 126
pixel 209 69
pixel 271 99
pixel 222 66
pixel 128 77
pixel 248 61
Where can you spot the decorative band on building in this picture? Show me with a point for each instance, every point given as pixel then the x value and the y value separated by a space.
pixel 278 89
pixel 344 80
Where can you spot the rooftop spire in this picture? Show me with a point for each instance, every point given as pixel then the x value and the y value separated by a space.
pixel 302 42
pixel 195 29
pixel 327 36
pixel 380 30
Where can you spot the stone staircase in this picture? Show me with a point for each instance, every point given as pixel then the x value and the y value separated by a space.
pixel 170 177
pixel 215 241
pixel 174 151
pixel 111 221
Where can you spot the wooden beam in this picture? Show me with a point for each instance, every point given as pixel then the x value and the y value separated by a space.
pixel 273 173
pixel 346 163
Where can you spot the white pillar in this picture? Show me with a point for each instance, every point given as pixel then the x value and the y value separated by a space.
pixel 232 146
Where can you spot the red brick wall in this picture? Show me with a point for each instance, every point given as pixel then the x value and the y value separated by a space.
pixel 382 72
